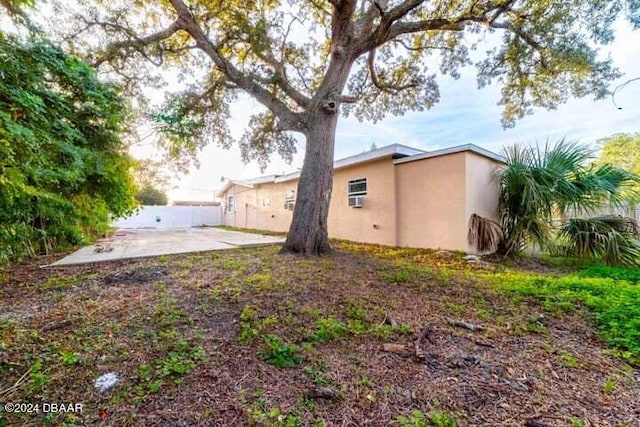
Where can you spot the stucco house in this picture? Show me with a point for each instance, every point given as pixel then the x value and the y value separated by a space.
pixel 394 195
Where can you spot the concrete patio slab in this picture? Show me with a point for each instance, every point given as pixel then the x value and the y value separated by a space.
pixel 142 243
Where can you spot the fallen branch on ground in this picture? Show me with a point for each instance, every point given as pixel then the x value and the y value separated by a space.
pixel 533 423
pixel 323 393
pixel 400 349
pixel 470 326
pixel 389 321
pixel 60 324
pixel 425 334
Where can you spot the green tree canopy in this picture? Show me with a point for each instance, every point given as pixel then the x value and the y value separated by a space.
pixel 62 168
pixel 306 62
pixel 623 150
pixel 151 196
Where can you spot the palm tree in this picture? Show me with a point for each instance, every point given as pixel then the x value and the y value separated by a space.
pixel 538 185
pixel 610 238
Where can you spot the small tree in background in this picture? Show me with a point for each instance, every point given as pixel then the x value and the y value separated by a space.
pixel 150 196
pixel 623 150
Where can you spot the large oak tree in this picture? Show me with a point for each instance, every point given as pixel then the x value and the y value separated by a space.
pixel 308 61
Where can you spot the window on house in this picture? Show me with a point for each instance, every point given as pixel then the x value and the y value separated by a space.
pixel 358 187
pixel 266 202
pixel 290 200
pixel 230 204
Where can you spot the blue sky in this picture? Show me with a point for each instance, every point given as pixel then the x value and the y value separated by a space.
pixel 464 114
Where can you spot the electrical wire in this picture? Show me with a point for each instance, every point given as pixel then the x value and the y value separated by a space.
pixel 619 87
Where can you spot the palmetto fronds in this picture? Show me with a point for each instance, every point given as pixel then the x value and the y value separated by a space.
pixel 539 184
pixel 613 239
pixel 484 234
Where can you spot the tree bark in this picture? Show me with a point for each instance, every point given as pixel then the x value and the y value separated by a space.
pixel 308 231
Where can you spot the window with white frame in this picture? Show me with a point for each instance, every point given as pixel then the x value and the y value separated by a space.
pixel 358 187
pixel 266 202
pixel 356 191
pixel 230 203
pixel 290 200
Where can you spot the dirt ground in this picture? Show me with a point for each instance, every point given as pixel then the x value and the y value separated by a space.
pixel 251 337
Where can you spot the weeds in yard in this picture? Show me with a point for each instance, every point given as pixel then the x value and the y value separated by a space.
pixel 384 331
pixel 181 361
pixel 631 275
pixel 327 329
pixel 576 422
pixel 280 354
pixel 609 386
pixel 442 419
pixel 69 357
pixel 396 276
pixel 317 373
pixel 251 326
pixel 232 264
pixel 60 282
pixel 259 281
pixel 568 359
pixel 39 378
pixel 435 417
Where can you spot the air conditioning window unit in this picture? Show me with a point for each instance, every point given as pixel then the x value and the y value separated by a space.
pixel 356 201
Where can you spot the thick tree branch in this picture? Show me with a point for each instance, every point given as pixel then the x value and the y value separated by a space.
pixel 136 43
pixel 426 25
pixel 382 86
pixel 525 38
pixel 280 79
pixel 342 29
pixel 401 10
pixel 288 118
pixel 348 99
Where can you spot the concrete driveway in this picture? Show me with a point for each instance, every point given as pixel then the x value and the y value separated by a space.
pixel 141 243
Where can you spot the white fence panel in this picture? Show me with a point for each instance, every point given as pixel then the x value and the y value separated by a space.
pixel 171 217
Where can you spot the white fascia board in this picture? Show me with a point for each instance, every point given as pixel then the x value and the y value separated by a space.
pixel 453 150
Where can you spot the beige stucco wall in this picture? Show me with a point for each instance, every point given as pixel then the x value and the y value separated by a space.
pixel 375 222
pixel 431 202
pixel 482 189
pixel 261 207
pixel 344 222
pixel 424 203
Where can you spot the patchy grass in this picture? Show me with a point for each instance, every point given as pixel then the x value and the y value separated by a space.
pixel 612 304
pixel 251 230
pixel 254 334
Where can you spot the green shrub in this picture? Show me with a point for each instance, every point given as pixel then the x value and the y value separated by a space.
pixel 280 354
pixel 328 329
pixel 63 170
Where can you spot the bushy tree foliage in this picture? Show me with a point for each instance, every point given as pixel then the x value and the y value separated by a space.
pixel 62 168
pixel 307 61
pixel 623 150
pixel 150 196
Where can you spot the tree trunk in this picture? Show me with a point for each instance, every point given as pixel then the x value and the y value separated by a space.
pixel 308 231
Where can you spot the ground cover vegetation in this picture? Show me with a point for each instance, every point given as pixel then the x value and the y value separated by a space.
pixel 370 335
